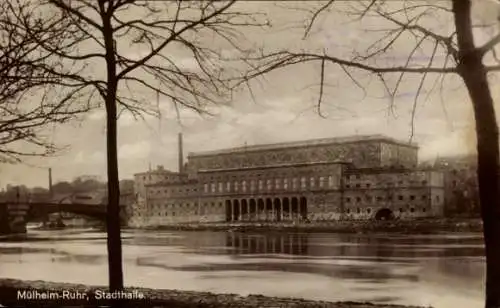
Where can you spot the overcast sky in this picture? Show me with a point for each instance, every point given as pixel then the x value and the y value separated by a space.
pixel 283 110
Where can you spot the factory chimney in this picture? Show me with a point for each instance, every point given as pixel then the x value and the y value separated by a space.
pixel 50 183
pixel 181 154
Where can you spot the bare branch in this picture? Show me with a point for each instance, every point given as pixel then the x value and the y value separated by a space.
pixel 172 37
pixel 419 90
pixel 27 73
pixel 282 59
pixel 315 15
pixel 446 41
pixel 76 12
pixel 490 45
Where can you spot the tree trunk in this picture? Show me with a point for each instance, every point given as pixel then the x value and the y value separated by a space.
pixel 474 74
pixel 487 173
pixel 476 81
pixel 113 210
pixel 113 215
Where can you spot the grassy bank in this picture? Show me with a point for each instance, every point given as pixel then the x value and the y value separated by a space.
pixel 420 226
pixel 10 289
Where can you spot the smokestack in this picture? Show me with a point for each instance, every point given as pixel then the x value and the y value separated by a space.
pixel 50 182
pixel 181 154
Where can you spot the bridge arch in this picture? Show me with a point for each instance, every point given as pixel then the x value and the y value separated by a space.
pixel 95 211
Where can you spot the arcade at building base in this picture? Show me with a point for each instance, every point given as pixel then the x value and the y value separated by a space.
pixel 294 210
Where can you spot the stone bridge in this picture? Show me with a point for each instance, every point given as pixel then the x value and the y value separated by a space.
pixel 14 216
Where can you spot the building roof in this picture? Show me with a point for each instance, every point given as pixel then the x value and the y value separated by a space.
pixel 274 166
pixel 455 161
pixel 157 171
pixel 304 143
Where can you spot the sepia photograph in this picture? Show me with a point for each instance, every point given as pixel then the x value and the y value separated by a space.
pixel 250 153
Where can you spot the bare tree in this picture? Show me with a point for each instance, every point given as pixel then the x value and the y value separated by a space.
pixel 411 21
pixel 130 51
pixel 27 85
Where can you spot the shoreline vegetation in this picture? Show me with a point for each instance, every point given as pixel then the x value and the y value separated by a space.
pixel 17 292
pixel 417 226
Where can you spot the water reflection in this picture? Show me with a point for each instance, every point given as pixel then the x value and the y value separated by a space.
pixel 288 244
pixel 337 257
pixel 357 267
pixel 374 248
pixel 52 254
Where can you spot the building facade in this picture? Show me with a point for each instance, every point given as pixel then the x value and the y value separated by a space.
pixel 461 185
pixel 362 177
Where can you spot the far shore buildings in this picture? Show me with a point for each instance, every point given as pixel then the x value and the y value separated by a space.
pixel 460 183
pixel 352 178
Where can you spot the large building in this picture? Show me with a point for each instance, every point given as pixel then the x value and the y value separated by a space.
pixel 361 177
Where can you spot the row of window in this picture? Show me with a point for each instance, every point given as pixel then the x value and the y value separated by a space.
pixel 348 211
pixel 389 198
pixel 172 190
pixel 368 185
pixel 242 186
pixel 162 209
pixel 368 210
pixel 185 205
pixel 165 178
pixel 270 184
pixel 165 214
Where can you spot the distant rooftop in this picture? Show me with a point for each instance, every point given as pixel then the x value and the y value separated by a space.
pixel 304 143
pixel 456 160
pixel 159 169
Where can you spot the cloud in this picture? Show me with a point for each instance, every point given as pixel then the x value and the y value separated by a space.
pixel 126 119
pixel 96 115
pixel 97 158
pixel 132 151
pixel 454 143
pixel 284 108
pixel 79 158
pixel 188 64
pixel 486 11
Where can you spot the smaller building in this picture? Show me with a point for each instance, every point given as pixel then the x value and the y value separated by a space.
pixel 149 190
pixel 406 193
pixel 461 186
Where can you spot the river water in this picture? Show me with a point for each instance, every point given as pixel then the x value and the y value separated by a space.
pixel 441 270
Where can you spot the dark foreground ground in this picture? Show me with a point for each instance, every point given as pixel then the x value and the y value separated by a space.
pixel 12 291
pixel 419 226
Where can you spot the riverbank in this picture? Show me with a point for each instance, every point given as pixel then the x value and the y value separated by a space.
pixel 90 296
pixel 419 226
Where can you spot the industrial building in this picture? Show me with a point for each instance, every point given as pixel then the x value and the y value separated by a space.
pixel 359 177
